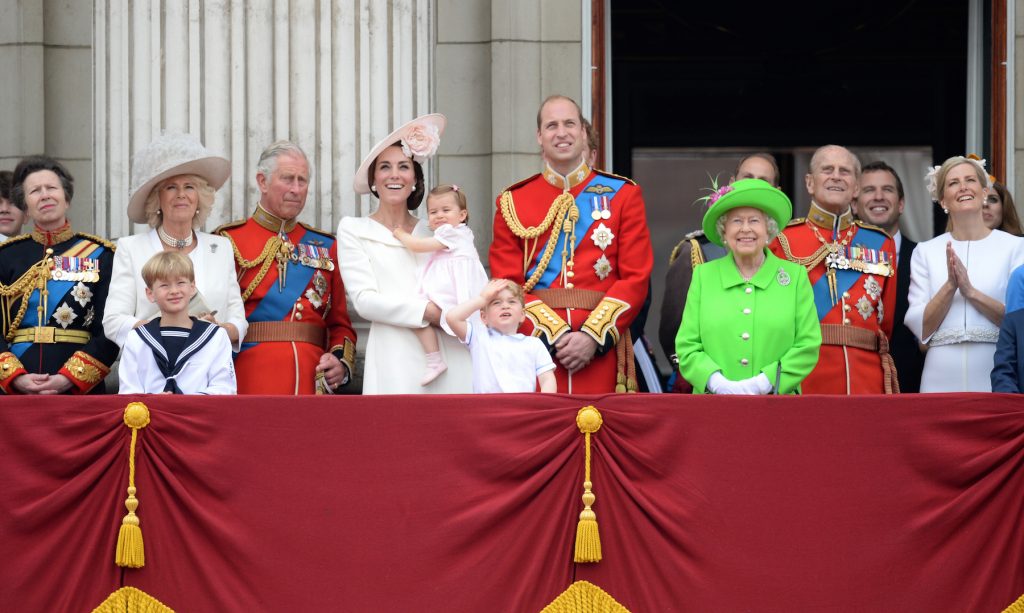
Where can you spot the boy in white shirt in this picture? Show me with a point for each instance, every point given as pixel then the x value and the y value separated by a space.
pixel 175 353
pixel 503 360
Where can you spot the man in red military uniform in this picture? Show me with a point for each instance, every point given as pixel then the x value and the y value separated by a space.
pixel 300 339
pixel 577 239
pixel 852 267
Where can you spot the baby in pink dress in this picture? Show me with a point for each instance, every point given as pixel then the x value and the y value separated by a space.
pixel 453 274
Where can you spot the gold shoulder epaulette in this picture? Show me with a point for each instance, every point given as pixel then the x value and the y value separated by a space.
pixel 229 225
pixel 675 251
pixel 520 183
pixel 615 176
pixel 98 239
pixel 317 230
pixel 796 221
pixel 868 226
pixel 15 239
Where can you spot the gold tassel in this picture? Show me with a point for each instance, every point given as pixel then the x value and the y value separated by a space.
pixel 588 539
pixel 130 550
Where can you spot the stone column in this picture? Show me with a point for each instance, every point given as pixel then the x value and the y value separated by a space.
pixel 332 75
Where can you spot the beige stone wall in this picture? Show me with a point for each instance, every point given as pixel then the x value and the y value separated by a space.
pixel 494 62
pixel 46 99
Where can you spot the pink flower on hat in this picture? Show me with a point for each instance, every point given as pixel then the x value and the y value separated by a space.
pixel 718 193
pixel 421 141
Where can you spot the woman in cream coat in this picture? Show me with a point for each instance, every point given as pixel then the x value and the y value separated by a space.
pixel 174 180
pixel 381 275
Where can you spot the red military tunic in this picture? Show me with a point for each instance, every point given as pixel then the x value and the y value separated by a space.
pixel 291 324
pixel 596 287
pixel 856 321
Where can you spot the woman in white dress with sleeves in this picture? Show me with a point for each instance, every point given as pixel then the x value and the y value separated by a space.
pixel 381 275
pixel 174 182
pixel 958 281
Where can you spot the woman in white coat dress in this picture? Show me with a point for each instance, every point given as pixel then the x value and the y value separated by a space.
pixel 958 283
pixel 381 276
pixel 174 180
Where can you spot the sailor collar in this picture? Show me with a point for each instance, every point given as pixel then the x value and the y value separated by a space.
pixel 569 181
pixel 48 238
pixel 272 222
pixel 828 220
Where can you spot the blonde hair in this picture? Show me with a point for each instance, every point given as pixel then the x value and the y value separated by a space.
pixel 206 196
pixel 516 289
pixel 456 192
pixel 167 265
pixel 950 164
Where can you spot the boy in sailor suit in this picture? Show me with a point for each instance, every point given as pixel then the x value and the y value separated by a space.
pixel 175 353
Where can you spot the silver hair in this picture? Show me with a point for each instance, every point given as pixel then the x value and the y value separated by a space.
pixel 816 159
pixel 771 225
pixel 268 159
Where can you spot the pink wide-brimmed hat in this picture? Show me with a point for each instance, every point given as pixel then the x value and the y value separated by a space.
pixel 419 139
pixel 170 155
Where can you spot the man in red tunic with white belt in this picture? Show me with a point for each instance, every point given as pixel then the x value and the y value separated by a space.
pixel 852 267
pixel 577 240
pixel 300 339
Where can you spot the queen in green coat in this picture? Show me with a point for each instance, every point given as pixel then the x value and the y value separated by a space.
pixel 750 326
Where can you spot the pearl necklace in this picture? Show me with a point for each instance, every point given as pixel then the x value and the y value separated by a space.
pixel 177 243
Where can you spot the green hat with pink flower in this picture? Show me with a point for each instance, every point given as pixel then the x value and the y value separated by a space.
pixel 418 138
pixel 754 193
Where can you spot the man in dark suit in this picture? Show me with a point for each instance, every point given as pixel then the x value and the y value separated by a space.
pixel 880 202
pixel 1008 372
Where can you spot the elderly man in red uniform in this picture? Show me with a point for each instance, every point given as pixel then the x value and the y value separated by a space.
pixel 300 339
pixel 576 239
pixel 852 267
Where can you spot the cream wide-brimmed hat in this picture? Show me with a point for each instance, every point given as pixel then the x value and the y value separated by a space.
pixel 170 155
pixel 419 138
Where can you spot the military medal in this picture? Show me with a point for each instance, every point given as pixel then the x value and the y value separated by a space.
pixel 282 265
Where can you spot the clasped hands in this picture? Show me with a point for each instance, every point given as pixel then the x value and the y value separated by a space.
pixel 753 386
pixel 957 272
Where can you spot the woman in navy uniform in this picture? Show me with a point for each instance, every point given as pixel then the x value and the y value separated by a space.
pixel 53 285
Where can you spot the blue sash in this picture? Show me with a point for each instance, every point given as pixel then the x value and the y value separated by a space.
pixel 608 187
pixel 845 278
pixel 275 305
pixel 57 290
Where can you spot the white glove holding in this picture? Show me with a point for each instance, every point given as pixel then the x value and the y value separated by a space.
pixel 718 384
pixel 755 385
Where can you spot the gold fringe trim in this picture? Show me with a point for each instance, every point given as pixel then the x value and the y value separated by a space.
pixel 1016 607
pixel 131 600
pixel 588 539
pixel 130 550
pixel 584 597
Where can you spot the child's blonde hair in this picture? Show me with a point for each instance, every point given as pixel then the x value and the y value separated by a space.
pixel 167 265
pixel 456 192
pixel 517 291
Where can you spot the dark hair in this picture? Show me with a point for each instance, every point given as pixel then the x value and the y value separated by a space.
pixel 416 197
pixel 764 156
pixel 593 140
pixel 879 166
pixel 554 97
pixel 6 180
pixel 35 163
pixel 1011 222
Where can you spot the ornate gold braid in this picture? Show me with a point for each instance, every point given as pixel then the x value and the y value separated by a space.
pixel 556 214
pixel 808 262
pixel 23 288
pixel 265 259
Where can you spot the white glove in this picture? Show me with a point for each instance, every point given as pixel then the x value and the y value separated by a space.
pixel 718 384
pixel 755 385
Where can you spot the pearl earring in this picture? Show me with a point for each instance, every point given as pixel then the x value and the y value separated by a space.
pixel 373 188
